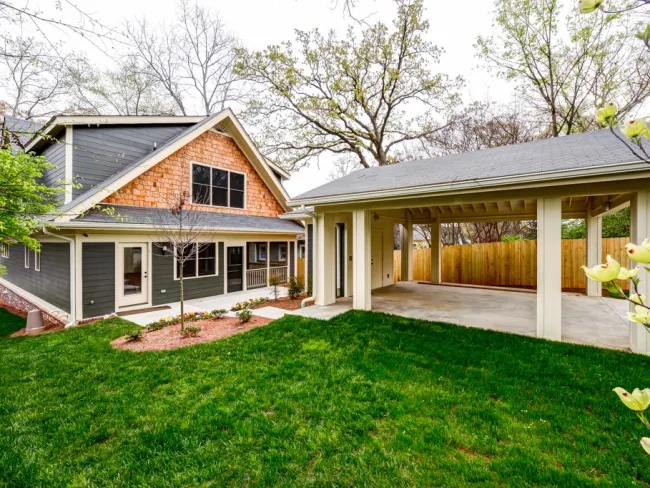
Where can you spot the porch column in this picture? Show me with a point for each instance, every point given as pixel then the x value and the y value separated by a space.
pixel 549 268
pixel 361 277
pixel 325 269
pixel 436 252
pixel 406 249
pixel 640 230
pixel 594 250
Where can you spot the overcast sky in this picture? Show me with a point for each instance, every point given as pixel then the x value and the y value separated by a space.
pixel 454 26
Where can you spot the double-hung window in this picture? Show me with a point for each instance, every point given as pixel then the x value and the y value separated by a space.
pixel 5 250
pixel 37 260
pixel 26 257
pixel 202 261
pixel 218 187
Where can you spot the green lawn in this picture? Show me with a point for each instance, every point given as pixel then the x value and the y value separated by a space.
pixel 9 323
pixel 362 400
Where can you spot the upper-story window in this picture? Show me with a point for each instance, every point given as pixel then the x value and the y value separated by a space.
pixel 218 187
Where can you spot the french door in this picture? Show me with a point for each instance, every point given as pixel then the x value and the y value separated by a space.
pixel 132 283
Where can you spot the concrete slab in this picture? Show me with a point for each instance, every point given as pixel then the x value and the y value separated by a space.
pixel 272 313
pixel 203 304
pixel 585 320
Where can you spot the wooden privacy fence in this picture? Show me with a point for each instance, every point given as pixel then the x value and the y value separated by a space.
pixel 300 268
pixel 508 263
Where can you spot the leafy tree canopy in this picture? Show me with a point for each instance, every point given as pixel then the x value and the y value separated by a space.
pixel 614 225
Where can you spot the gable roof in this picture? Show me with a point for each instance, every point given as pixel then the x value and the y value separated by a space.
pixel 225 119
pixel 597 152
pixel 20 131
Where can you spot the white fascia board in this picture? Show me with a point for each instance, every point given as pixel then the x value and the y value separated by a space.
pixel 150 228
pixel 69 120
pixel 482 185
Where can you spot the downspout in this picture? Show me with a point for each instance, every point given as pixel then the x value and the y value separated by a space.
pixel 73 277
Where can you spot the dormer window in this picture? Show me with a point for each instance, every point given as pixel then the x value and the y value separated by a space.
pixel 218 187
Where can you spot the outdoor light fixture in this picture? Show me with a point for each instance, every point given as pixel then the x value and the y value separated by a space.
pixel 608 206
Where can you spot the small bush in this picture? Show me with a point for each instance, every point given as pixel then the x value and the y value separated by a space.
pixel 156 326
pixel 190 331
pixel 295 288
pixel 219 313
pixel 274 282
pixel 245 315
pixel 134 335
pixel 249 303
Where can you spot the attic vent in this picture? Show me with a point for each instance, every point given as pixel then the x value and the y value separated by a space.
pixel 220 128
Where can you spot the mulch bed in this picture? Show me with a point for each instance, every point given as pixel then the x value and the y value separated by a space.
pixel 284 303
pixel 169 337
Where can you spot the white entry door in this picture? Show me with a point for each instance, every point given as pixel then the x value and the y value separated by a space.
pixel 132 278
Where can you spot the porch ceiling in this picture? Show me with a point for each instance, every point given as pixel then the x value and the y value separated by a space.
pixel 515 209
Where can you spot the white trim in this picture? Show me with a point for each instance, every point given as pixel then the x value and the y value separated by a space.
pixel 228 189
pixel 63 120
pixel 26 256
pixel 37 260
pixel 142 227
pixel 485 184
pixel 122 301
pixel 69 151
pixel 154 158
pixel 4 248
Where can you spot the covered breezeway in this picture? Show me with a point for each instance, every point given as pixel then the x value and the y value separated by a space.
pixel 586 320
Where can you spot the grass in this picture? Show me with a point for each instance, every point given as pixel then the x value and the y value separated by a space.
pixel 365 399
pixel 10 323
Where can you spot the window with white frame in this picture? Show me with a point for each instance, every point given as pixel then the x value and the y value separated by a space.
pixel 26 257
pixel 261 252
pixel 282 252
pixel 218 187
pixel 202 261
pixel 5 250
pixel 37 260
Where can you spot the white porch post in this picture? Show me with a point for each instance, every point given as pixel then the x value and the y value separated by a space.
pixel 406 247
pixel 640 230
pixel 436 252
pixel 324 271
pixel 594 250
pixel 549 268
pixel 361 279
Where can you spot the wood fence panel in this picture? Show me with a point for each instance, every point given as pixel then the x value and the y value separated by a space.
pixel 508 263
pixel 300 267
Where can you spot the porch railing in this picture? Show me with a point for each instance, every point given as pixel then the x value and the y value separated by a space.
pixel 281 272
pixel 256 278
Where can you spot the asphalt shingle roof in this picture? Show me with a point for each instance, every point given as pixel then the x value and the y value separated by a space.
pixel 22 129
pixel 579 151
pixel 124 214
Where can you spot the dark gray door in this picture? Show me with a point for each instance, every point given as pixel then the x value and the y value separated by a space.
pixel 235 269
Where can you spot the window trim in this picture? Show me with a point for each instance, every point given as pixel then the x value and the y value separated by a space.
pixel 227 170
pixel 26 257
pixel 286 252
pixel 216 264
pixel 5 251
pixel 37 261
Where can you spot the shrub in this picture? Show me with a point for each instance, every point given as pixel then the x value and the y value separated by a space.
pixel 274 282
pixel 249 303
pixel 219 313
pixel 190 331
pixel 295 288
pixel 245 315
pixel 134 335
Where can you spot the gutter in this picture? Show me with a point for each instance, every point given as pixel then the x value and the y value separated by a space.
pixel 144 227
pixel 486 184
pixel 73 276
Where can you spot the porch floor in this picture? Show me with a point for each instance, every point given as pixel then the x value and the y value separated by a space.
pixel 585 320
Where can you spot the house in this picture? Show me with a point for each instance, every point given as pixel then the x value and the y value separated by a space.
pixel 119 175
pixel 351 222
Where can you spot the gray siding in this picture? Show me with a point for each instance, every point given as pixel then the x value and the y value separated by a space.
pixel 55 155
pixel 98 278
pixel 52 282
pixel 99 152
pixel 163 279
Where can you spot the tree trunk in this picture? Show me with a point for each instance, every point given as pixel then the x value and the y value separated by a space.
pixel 182 307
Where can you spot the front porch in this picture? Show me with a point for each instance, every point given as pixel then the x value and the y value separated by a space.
pixel 586 320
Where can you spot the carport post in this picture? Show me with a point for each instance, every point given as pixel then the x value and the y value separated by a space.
pixel 406 249
pixel 361 235
pixel 549 268
pixel 640 230
pixel 594 250
pixel 325 262
pixel 436 252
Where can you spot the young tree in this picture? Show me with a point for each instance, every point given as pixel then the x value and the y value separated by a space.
pixel 178 233
pixel 565 66
pixel 192 58
pixel 25 203
pixel 363 96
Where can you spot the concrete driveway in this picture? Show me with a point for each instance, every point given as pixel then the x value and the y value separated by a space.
pixel 585 320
